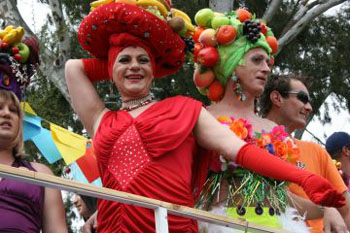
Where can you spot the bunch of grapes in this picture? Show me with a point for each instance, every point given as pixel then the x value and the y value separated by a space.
pixel 252 30
pixel 189 44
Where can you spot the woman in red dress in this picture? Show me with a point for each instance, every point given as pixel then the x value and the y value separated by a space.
pixel 149 148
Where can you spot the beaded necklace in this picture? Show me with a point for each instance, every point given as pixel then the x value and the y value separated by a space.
pixel 130 105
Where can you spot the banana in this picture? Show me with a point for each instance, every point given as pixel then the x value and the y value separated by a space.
pixel 165 4
pixel 100 3
pixel 10 37
pixel 162 9
pixel 6 30
pixel 176 12
pixel 19 34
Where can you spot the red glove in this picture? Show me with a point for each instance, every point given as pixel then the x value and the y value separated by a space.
pixel 319 190
pixel 96 69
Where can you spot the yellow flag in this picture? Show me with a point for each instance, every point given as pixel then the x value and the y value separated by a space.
pixel 26 107
pixel 71 145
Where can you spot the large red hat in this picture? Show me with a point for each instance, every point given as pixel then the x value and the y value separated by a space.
pixel 166 46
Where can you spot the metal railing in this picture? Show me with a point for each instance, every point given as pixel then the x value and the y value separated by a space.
pixel 161 209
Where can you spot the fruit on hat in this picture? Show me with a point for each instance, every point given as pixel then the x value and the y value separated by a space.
pixel 243 14
pixel 23 51
pixel 203 17
pixel 197 33
pixel 6 30
pixel 196 49
pixel 203 78
pixel 177 24
pixel 208 37
pixel 12 35
pixel 263 28
pixel 133 2
pixel 146 3
pixel 208 56
pixel 98 3
pixel 272 41
pixel 178 13
pixel 218 21
pixel 226 34
pixel 215 91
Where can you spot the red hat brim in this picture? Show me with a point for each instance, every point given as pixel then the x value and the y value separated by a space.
pixel 106 20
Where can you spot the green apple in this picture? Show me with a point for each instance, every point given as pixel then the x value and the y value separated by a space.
pixel 23 51
pixel 203 17
pixel 218 21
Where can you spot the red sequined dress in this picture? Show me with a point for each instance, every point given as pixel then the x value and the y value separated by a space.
pixel 153 155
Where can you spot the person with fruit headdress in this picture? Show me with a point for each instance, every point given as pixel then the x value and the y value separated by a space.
pixel 233 55
pixel 149 148
pixel 24 207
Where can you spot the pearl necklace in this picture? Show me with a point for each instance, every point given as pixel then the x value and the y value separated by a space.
pixel 130 105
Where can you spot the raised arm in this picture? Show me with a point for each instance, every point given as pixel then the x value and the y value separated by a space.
pixel 212 135
pixel 54 220
pixel 86 102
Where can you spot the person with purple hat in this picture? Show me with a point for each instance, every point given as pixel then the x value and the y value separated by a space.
pixel 24 207
pixel 338 146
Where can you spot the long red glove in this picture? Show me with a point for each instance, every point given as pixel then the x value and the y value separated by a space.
pixel 319 190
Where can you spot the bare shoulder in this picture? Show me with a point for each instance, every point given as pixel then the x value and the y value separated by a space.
pixel 41 168
pixel 268 125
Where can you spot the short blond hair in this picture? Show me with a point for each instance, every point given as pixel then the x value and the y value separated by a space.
pixel 17 144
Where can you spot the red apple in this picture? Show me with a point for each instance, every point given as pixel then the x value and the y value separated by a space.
pixel 263 28
pixel 203 79
pixel 15 50
pixel 208 37
pixel 215 91
pixel 18 57
pixel 197 48
pixel 197 33
pixel 226 34
pixel 208 56
pixel 4 45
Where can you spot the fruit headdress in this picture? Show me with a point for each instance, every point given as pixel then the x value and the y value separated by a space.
pixel 145 23
pixel 221 43
pixel 19 59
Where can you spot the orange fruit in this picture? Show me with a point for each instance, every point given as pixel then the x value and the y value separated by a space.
pixel 243 14
pixel 272 41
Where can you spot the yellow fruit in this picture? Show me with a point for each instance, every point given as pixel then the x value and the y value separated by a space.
pixel 162 9
pixel 100 2
pixel 132 2
pixel 177 12
pixel 19 34
pixel 9 37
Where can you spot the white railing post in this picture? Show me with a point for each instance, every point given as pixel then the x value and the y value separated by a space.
pixel 161 216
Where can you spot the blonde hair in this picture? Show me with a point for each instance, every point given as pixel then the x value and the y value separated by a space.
pixel 17 144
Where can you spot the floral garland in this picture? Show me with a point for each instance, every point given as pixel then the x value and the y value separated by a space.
pixel 246 187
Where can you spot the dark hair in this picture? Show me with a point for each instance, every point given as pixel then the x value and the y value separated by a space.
pixel 280 83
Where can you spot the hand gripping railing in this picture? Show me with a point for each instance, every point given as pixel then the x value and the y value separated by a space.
pixel 161 209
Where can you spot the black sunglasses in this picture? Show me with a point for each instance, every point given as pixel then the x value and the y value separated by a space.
pixel 301 95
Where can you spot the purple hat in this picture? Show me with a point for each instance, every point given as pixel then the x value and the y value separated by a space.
pixel 337 141
pixel 16 69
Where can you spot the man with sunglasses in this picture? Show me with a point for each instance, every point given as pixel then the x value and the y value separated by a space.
pixel 286 101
